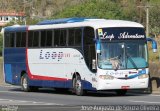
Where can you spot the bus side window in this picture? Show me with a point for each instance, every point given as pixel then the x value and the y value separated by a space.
pixel 56 37
pixel 36 39
pixel 49 38
pixel 30 38
pixel 7 39
pixel 33 39
pixel 89 46
pixel 43 38
pixel 12 40
pixel 75 36
pixel 23 41
pixel 20 39
pixel 63 37
pixel 46 38
pixel 71 37
pixel 78 36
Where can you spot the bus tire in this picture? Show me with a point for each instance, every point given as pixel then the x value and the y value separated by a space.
pixel 24 83
pixel 77 86
pixel 121 92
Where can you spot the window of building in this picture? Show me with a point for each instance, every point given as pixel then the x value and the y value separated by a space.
pixel 1 18
pixel 6 18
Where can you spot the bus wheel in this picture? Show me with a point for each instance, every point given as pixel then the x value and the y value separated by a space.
pixel 121 92
pixel 24 83
pixel 77 86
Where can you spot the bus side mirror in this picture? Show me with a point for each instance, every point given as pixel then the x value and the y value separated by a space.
pixel 94 65
pixel 98 47
pixel 154 44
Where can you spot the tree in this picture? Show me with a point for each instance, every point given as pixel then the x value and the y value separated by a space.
pixel 1 44
pixel 155 20
pixel 93 8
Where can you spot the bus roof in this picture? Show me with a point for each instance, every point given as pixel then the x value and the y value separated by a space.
pixel 75 22
pixel 83 22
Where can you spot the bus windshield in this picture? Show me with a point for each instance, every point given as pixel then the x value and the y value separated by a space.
pixel 123 55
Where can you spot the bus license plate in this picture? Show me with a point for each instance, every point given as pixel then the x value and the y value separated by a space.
pixel 125 87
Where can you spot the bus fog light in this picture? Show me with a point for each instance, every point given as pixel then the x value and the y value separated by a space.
pixel 143 76
pixel 106 77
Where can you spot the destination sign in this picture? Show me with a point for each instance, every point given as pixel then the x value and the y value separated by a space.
pixel 121 34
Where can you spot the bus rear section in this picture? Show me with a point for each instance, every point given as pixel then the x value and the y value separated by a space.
pixel 14 53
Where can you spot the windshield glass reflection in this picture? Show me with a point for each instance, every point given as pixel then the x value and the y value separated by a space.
pixel 124 55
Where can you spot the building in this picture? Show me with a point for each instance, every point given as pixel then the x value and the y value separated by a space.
pixel 6 17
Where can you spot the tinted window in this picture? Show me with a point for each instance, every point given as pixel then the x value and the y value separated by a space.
pixel 74 37
pixel 63 38
pixel 57 37
pixel 49 38
pixel 30 38
pixel 20 39
pixel 9 39
pixel 36 39
pixel 43 38
pixel 89 46
pixel 46 38
pixel 33 39
pixel 23 41
pixel 77 38
pixel 71 37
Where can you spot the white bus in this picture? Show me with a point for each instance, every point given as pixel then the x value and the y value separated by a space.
pixel 81 54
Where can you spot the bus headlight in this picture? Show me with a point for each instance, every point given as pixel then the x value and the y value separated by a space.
pixel 106 77
pixel 143 76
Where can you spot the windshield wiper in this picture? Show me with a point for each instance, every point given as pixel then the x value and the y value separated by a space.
pixel 131 60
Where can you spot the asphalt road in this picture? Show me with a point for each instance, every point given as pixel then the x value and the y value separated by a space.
pixel 12 97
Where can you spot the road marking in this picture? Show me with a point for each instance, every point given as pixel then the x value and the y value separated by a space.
pixel 14 92
pixel 22 102
pixel 151 102
pixel 154 95
pixel 10 86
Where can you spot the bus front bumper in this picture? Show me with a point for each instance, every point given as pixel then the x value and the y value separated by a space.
pixel 122 84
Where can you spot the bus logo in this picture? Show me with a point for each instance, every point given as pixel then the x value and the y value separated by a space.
pixel 52 55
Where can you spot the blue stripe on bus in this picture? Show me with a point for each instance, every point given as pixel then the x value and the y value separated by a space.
pixel 59 84
pixel 15 28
